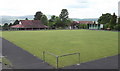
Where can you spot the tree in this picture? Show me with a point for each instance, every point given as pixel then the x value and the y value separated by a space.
pixel 44 19
pixel 105 26
pixel 117 26
pixel 38 15
pixel 58 22
pixel 63 17
pixel 53 18
pixel 113 21
pixel 16 22
pixel 94 22
pixel 105 18
pixel 52 21
pixel 64 14
pixel 68 22
pixel 26 18
pixel 5 25
pixel 10 24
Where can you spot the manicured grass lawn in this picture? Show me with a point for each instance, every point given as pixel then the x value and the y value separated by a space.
pixel 92 45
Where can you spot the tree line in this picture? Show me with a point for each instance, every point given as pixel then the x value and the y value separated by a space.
pixel 110 21
pixel 61 21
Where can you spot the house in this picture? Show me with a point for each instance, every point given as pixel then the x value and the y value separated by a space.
pixel 29 25
pixel 90 24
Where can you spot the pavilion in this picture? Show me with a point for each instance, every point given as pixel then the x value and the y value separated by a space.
pixel 90 24
pixel 29 25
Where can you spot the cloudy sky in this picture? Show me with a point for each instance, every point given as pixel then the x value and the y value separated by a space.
pixel 76 8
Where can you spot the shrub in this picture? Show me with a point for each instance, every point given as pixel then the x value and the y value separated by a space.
pixel 117 27
pixel 82 26
pixel 105 26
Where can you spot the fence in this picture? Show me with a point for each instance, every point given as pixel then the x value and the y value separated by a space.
pixel 62 60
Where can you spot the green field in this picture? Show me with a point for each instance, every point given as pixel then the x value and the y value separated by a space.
pixel 91 44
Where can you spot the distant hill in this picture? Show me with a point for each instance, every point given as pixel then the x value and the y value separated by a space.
pixel 85 19
pixel 11 19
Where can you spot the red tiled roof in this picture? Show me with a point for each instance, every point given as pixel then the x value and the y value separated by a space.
pixel 17 26
pixel 30 24
pixel 86 22
pixel 75 21
pixel 83 22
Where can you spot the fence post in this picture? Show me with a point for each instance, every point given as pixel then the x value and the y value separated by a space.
pixel 57 61
pixel 79 57
pixel 44 56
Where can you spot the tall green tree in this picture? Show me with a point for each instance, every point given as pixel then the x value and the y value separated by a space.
pixel 10 24
pixel 58 22
pixel 68 22
pixel 64 17
pixel 44 19
pixel 5 25
pixel 64 14
pixel 113 21
pixel 52 21
pixel 16 22
pixel 105 18
pixel 53 18
pixel 26 18
pixel 38 15
pixel 117 27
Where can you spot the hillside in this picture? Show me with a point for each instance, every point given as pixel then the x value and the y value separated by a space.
pixel 85 19
pixel 11 19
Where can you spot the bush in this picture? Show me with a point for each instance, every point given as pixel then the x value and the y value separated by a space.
pixel 82 26
pixel 105 26
pixel 117 27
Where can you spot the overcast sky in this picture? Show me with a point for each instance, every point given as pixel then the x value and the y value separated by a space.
pixel 76 8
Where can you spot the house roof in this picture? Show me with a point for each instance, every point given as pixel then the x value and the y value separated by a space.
pixel 86 22
pixel 83 22
pixel 29 24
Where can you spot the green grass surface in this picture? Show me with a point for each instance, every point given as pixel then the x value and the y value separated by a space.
pixel 91 44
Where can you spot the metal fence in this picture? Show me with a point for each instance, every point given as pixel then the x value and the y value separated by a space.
pixel 57 58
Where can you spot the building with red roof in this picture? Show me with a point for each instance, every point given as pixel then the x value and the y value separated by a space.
pixel 30 24
pixel 83 22
pixel 90 24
